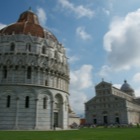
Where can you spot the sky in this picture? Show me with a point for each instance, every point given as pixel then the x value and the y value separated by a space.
pixel 101 38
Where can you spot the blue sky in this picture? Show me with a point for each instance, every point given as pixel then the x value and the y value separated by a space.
pixel 101 38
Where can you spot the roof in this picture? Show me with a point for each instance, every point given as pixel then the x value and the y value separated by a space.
pixel 126 87
pixel 27 23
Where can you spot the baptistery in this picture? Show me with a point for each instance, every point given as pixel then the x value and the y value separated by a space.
pixel 34 77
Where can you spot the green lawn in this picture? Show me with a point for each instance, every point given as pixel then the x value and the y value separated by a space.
pixel 82 134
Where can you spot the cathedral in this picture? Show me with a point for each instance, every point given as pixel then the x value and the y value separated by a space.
pixel 34 77
pixel 113 106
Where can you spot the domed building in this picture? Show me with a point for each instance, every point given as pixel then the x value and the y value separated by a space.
pixel 127 89
pixel 112 105
pixel 34 77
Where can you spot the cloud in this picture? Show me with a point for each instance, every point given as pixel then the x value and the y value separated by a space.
pixel 122 41
pixel 42 15
pixel 106 11
pixel 105 70
pixel 79 11
pixel 118 86
pixel 136 77
pixel 137 92
pixel 2 25
pixel 81 80
pixel 77 101
pixel 73 59
pixel 80 31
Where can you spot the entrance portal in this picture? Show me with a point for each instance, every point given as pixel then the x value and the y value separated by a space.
pixel 94 121
pixel 117 120
pixel 105 119
pixel 56 119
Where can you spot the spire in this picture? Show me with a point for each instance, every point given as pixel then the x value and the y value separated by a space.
pixel 30 9
pixel 125 81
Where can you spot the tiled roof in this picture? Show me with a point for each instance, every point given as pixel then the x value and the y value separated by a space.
pixel 27 24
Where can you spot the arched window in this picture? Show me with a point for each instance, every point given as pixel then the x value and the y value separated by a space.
pixel 29 72
pixel 8 101
pixel 58 101
pixel 5 72
pixel 55 54
pixel 12 47
pixel 27 102
pixel 28 47
pixel 44 102
pixel 46 83
pixel 43 50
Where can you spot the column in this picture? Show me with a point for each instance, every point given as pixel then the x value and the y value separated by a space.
pixel 17 110
pixel 38 76
pixel 25 77
pixel 43 77
pixel 32 74
pixel 36 114
pixel 13 74
pixel 52 115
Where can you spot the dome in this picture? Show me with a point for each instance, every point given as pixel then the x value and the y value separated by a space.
pixel 127 88
pixel 27 23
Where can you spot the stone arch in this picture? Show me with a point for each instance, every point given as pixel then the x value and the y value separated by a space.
pixel 8 90
pixel 26 103
pixel 58 98
pixel 44 109
pixel 8 98
pixel 58 110
pixel 8 106
pixel 45 93
pixel 26 92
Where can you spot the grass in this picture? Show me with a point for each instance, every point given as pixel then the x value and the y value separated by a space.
pixel 82 134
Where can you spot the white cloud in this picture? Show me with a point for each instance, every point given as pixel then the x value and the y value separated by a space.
pixel 122 41
pixel 77 101
pixel 118 86
pixel 80 10
pixel 105 70
pixel 107 12
pixel 42 15
pixel 73 59
pixel 81 80
pixel 137 92
pixel 136 77
pixel 80 31
pixel 2 25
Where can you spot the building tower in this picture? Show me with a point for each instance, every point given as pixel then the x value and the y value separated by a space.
pixel 34 77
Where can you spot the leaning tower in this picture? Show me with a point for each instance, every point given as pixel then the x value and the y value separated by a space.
pixel 34 77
